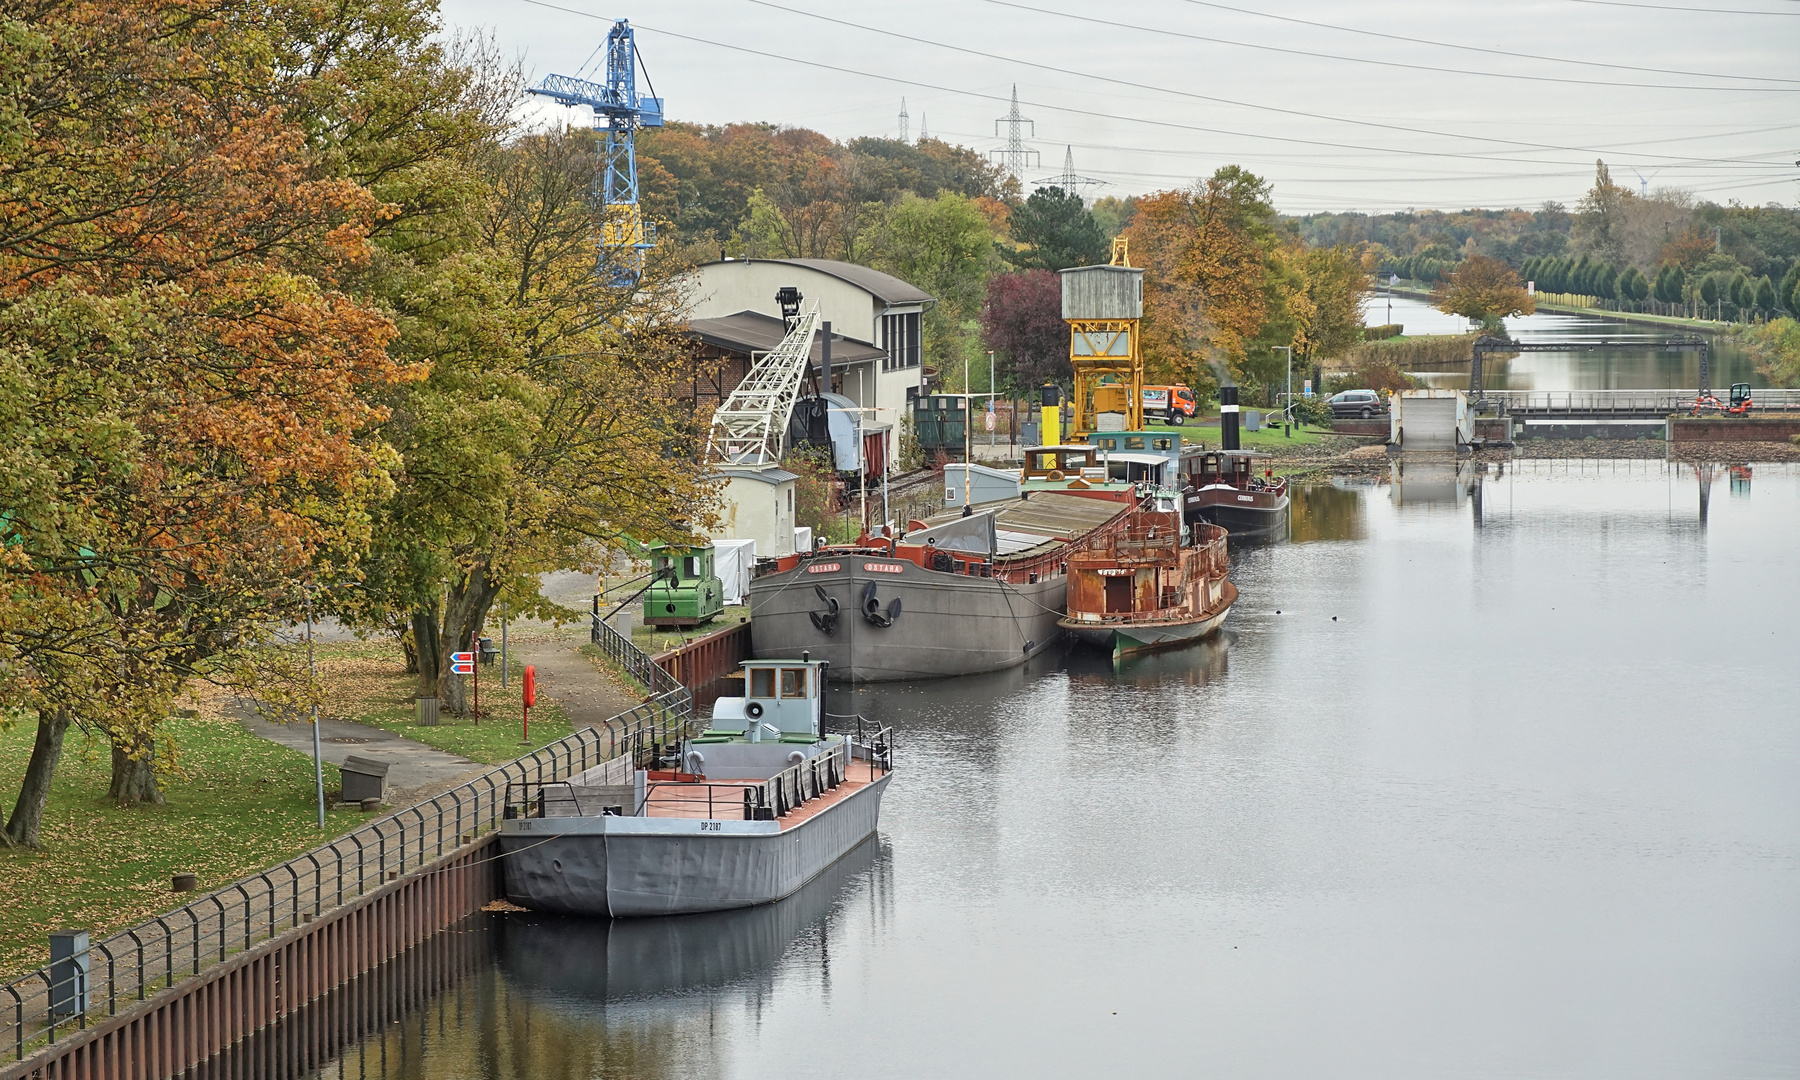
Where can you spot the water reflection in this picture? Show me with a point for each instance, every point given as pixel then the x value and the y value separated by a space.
pixel 1431 480
pixel 572 964
pixel 1326 511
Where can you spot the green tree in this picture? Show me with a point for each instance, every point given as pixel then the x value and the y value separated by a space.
pixel 1765 295
pixel 945 247
pixel 1056 231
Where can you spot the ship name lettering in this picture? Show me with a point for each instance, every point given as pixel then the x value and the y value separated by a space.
pixel 884 568
pixel 822 568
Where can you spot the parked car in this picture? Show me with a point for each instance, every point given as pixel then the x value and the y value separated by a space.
pixel 1363 403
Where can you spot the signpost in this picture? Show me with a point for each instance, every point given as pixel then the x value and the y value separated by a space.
pixel 529 700
pixel 463 663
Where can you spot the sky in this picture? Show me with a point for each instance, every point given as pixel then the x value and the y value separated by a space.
pixel 1373 106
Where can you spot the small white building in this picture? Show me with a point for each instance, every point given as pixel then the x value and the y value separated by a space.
pixel 1431 419
pixel 880 315
pixel 758 504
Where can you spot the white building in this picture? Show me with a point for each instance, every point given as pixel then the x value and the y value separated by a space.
pixel 758 504
pixel 867 307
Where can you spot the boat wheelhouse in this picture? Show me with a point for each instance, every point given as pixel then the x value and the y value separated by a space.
pixel 1236 490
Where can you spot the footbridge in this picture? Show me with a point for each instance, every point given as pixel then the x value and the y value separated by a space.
pixel 1619 404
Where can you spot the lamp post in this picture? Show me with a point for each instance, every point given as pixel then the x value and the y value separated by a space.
pixel 312 668
pixel 1287 412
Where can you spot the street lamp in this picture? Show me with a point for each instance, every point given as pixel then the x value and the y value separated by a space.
pixel 1287 412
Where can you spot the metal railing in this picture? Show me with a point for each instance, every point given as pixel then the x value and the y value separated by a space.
pixel 636 662
pixel 1602 402
pixel 133 964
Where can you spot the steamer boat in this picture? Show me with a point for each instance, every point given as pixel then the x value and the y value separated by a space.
pixel 1157 582
pixel 1226 490
pixel 744 813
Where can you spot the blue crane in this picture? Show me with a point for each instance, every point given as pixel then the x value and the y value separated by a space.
pixel 624 234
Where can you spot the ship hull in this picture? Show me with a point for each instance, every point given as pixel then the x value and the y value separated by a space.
pixel 1241 512
pixel 1126 638
pixel 628 867
pixel 947 624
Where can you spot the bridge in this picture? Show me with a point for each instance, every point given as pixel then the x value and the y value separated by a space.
pixel 1619 404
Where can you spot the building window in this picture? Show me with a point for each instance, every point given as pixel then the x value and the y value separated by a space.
pixel 900 338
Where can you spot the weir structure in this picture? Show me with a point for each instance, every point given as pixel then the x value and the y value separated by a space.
pixel 168 995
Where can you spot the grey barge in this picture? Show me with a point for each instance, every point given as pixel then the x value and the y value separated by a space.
pixel 744 813
pixel 956 596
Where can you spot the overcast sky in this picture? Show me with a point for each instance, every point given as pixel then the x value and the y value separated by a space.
pixel 1324 99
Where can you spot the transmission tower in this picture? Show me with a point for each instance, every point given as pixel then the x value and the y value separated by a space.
pixel 1069 181
pixel 924 132
pixel 904 120
pixel 1014 156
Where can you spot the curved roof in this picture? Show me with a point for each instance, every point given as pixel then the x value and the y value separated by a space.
pixel 884 287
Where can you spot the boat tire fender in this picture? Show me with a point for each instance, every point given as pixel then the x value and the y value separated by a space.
pixel 696 763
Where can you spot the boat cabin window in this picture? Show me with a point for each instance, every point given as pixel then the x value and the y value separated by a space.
pixel 1161 443
pixel 762 682
pixel 793 682
pixel 1134 442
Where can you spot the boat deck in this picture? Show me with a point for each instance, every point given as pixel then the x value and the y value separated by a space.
pixel 714 800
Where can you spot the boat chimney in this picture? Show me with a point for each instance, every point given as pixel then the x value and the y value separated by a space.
pixel 1228 418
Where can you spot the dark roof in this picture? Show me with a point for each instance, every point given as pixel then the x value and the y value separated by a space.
pixel 752 331
pixel 884 287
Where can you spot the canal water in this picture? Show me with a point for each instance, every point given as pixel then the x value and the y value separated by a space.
pixel 1492 774
pixel 1584 369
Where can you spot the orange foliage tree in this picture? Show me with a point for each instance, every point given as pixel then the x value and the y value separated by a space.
pixel 187 381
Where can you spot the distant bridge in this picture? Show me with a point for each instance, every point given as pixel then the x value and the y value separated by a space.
pixel 1619 404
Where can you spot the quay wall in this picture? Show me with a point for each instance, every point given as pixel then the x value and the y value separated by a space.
pixel 1683 429
pixel 207 1014
pixel 705 659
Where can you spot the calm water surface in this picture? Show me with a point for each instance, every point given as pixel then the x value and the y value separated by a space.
pixel 1598 369
pixel 1492 775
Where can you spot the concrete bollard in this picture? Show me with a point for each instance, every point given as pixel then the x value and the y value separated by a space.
pixel 70 967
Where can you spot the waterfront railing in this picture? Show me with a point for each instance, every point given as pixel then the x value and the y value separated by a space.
pixel 96 981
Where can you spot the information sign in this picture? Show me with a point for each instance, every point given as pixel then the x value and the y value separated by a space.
pixel 462 663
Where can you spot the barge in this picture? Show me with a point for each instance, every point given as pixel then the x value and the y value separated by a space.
pixel 1225 489
pixel 743 813
pixel 976 588
pixel 1158 582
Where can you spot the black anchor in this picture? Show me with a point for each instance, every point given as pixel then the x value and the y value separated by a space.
pixel 871 605
pixel 825 621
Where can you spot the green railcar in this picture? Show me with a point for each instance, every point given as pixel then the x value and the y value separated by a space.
pixel 694 595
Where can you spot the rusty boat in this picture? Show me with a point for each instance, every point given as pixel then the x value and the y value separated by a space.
pixel 1156 582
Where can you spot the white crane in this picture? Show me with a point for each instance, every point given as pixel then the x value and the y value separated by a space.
pixel 749 427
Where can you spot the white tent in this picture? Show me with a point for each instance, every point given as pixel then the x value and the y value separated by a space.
pixel 734 561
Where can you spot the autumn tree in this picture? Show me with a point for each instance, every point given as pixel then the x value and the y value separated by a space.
pixel 1600 223
pixel 945 247
pixel 1484 290
pixel 1022 322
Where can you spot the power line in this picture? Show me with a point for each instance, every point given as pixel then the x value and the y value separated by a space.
pixel 1177 93
pixel 1479 48
pixel 1665 7
pixel 1164 31
pixel 1073 111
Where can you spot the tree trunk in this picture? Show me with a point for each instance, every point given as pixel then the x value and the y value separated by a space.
pixel 27 818
pixel 134 772
pixel 425 635
pixel 470 597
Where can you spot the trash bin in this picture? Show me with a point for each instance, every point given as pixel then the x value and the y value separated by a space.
pixel 363 778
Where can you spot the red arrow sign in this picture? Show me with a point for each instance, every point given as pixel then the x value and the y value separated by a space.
pixel 462 663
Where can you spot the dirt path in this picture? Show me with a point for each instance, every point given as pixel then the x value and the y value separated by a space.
pixel 589 696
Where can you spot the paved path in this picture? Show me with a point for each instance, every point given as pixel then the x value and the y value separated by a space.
pixel 414 769
pixel 588 695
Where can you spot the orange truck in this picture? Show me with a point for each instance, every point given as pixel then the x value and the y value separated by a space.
pixel 1173 403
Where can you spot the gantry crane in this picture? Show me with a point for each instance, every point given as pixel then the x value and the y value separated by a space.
pixel 749 427
pixel 1103 306
pixel 620 112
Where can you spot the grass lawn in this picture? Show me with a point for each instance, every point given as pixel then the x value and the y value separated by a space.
pixel 367 682
pixel 653 641
pixel 236 803
pixel 1267 439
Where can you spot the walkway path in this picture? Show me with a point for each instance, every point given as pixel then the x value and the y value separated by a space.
pixel 588 695
pixel 415 770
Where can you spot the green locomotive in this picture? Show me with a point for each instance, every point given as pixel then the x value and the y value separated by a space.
pixel 686 592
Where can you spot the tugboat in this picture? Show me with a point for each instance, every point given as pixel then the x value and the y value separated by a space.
pixel 1229 491
pixel 743 813
pixel 1156 583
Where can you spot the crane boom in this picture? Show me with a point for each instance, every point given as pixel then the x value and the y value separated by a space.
pixel 619 111
pixel 748 428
